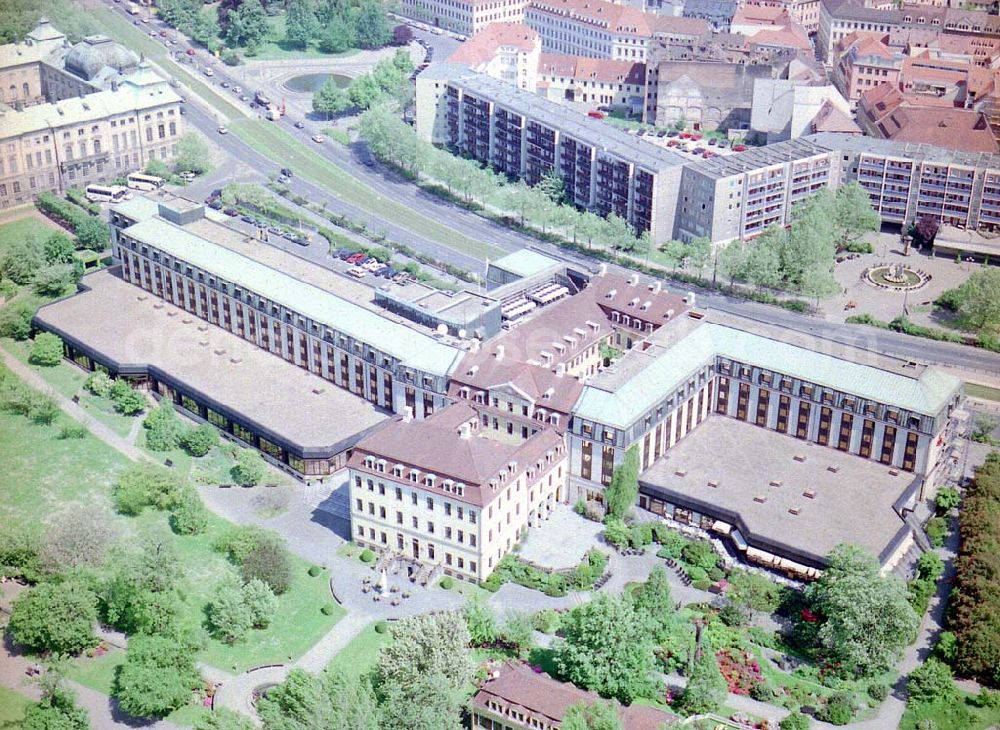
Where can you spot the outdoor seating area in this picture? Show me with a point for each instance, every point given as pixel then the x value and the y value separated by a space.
pixel 390 575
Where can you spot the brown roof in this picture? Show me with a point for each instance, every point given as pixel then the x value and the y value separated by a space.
pixel 620 19
pixel 592 69
pixel 538 695
pixel 539 384
pixel 435 445
pixel 761 15
pixel 484 45
pixel 894 115
pixel 789 37
pixel 830 118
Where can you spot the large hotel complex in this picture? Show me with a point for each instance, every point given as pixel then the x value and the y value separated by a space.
pixel 457 440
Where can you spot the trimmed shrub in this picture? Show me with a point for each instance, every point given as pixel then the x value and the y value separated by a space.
pixel 878 691
pixel 99 383
pixel 189 517
pixel 937 530
pixel 838 710
pixel 367 556
pixel 328 609
pixel 46 350
pixel 447 582
pixel 201 439
pixel 313 571
pixel 795 721
pixel 381 627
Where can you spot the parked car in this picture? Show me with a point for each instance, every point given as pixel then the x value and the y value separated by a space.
pixel 318 138
pixel 231 212
pixel 300 124
pixel 187 175
pixel 190 51
pixel 713 141
pixel 223 130
pixel 238 89
pixel 343 253
pixel 208 72
pixel 388 272
pixel 246 218
pixel 224 84
pixel 739 148
pixel 355 258
pixel 698 150
pixel 215 204
pixel 282 179
pixel 275 230
pixel 662 133
pixel 301 241
pixel 357 273
pixel 286 171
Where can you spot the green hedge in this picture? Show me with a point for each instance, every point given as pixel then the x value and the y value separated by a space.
pixel 514 570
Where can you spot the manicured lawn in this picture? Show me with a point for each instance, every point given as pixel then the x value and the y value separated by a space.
pixel 44 474
pixel 97 672
pixel 982 391
pixel 116 26
pixel 67 380
pixel 277 144
pixel 17 230
pixel 958 715
pixel 359 656
pixel 12 707
pixel 276 50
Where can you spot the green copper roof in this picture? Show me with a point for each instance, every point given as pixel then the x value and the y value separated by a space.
pixel 412 348
pixel 925 394
pixel 525 262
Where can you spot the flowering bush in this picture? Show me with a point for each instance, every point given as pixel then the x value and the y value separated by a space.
pixel 741 670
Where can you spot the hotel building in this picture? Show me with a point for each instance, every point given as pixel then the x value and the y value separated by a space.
pixel 526 137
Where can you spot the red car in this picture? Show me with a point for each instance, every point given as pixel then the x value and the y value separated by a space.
pixel 739 148
pixel 356 258
pixel 685 135
pixel 190 51
pixel 595 115
pixel 696 137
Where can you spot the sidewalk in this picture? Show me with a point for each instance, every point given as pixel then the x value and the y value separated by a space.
pixel 71 409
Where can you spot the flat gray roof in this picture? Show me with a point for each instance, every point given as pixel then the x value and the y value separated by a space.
pixel 852 505
pixel 131 327
pixel 910 150
pixel 593 132
pixel 754 158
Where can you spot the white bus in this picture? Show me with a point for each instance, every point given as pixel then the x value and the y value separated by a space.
pixel 106 194
pixel 139 181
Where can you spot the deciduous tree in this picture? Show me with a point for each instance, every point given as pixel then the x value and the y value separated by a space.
pixel 157 677
pixel 593 716
pixel 706 687
pixel 607 649
pixel 46 350
pixel 55 617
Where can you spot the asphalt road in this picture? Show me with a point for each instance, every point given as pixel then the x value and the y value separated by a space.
pixel 386 183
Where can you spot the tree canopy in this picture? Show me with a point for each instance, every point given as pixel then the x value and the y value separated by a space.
pixel 55 617
pixel 593 716
pixel 607 648
pixel 157 677
pixel 619 497
pixel 868 619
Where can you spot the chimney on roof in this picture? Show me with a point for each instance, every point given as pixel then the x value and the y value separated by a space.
pixel 633 280
pixel 656 287
pixel 602 269
pixel 689 299
pixel 474 345
pixel 407 414
pixel 560 369
pixel 499 352
pixel 611 294
pixel 465 431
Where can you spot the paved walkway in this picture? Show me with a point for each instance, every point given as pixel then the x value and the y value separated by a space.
pixel 237 693
pixel 71 409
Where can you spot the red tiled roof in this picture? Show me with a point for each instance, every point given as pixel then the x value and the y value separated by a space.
pixel 485 44
pixel 761 15
pixel 620 19
pixel 783 37
pixel 894 115
pixel 592 69
pixel 538 695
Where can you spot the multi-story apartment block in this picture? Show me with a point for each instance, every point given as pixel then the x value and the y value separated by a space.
pixel 509 52
pixel 908 181
pixel 602 29
pixel 442 492
pixel 840 18
pixel 595 81
pixel 740 196
pixel 863 61
pixel 78 115
pixel 467 17
pixel 525 136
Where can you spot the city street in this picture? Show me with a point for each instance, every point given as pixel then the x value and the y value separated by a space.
pixel 390 186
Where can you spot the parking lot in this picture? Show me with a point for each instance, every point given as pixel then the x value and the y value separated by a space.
pixel 690 143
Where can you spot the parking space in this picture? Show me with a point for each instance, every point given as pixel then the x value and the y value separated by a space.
pixel 692 144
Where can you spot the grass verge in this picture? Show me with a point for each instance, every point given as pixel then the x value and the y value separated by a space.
pixel 277 144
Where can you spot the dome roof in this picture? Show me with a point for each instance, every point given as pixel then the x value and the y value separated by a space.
pixel 89 56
